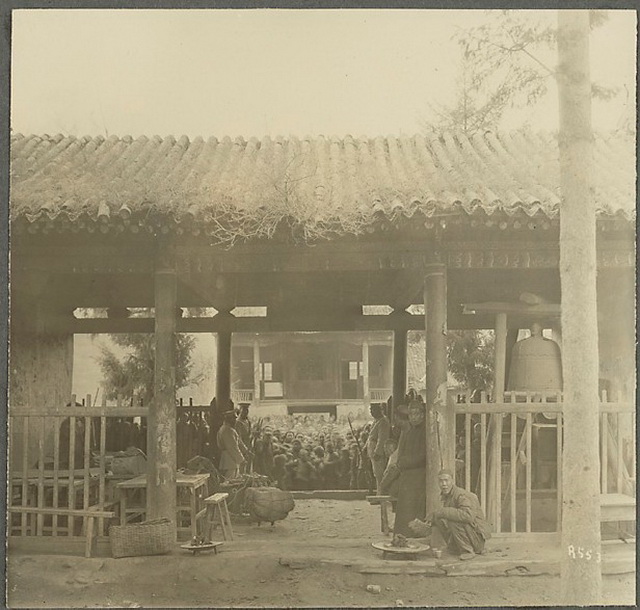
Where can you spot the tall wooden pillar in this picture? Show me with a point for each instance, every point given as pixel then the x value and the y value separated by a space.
pixel 399 366
pixel 161 428
pixel 365 372
pixel 494 491
pixel 256 371
pixel 223 373
pixel 512 338
pixel 439 422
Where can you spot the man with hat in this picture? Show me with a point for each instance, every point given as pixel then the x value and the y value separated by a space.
pixel 459 524
pixel 232 449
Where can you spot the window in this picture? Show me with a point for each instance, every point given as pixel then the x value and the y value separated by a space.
pixel 266 371
pixel 355 370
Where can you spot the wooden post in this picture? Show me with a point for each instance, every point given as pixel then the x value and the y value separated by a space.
pixel 365 371
pixel 581 581
pixel 494 493
pixel 399 366
pixel 511 340
pixel 161 428
pixel 256 371
pixel 223 373
pixel 500 357
pixel 439 429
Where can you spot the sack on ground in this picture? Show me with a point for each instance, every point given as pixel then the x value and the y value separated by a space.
pixel 268 503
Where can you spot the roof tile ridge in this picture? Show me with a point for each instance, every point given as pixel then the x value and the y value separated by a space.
pixel 202 163
pixel 426 159
pixel 178 174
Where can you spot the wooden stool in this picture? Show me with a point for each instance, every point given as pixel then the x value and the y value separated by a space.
pixel 385 505
pixel 217 512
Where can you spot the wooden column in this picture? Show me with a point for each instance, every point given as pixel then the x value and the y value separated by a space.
pixel 365 372
pixel 399 366
pixel 494 493
pixel 580 580
pixel 161 428
pixel 511 340
pixel 256 371
pixel 439 429
pixel 223 373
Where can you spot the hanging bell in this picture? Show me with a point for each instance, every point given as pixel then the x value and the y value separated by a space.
pixel 536 364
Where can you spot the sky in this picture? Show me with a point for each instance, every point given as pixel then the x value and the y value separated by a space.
pixel 265 72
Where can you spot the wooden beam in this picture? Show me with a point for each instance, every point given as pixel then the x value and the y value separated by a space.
pixel 522 309
pixel 310 322
pixel 130 257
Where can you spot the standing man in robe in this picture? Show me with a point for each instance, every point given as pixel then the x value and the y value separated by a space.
pixel 378 436
pixel 232 449
pixel 243 428
pixel 411 462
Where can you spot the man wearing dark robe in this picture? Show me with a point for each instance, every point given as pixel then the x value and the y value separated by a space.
pixel 459 525
pixel 412 456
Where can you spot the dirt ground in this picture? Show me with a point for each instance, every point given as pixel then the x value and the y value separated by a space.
pixel 320 556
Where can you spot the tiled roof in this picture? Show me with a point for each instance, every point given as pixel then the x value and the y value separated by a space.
pixel 349 182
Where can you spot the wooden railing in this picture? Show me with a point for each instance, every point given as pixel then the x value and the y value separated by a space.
pixel 510 454
pixel 242 396
pixel 57 459
pixel 379 394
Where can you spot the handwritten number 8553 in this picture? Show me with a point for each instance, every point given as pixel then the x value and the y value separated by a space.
pixel 578 552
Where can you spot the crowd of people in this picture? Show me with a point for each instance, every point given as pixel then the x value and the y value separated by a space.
pixel 309 452
pixel 304 452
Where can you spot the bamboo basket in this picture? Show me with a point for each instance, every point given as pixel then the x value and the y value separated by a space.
pixel 153 537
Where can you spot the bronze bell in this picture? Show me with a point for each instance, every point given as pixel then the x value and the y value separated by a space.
pixel 536 364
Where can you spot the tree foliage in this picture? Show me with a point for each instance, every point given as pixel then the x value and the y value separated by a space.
pixel 505 63
pixel 470 355
pixel 132 375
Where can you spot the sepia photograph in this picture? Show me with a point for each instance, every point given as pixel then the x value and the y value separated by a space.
pixel 321 308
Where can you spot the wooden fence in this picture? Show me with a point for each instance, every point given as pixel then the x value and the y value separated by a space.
pixel 510 454
pixel 58 459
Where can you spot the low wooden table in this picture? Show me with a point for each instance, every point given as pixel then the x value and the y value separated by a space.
pixel 198 489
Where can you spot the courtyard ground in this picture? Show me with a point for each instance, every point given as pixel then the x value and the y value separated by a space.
pixel 321 555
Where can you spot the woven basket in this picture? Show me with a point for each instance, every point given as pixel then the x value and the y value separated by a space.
pixel 147 538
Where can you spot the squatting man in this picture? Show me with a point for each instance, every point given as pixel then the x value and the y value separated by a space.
pixel 459 525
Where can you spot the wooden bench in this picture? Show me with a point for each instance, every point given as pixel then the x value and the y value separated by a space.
pixel 89 515
pixel 218 512
pixel 385 504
